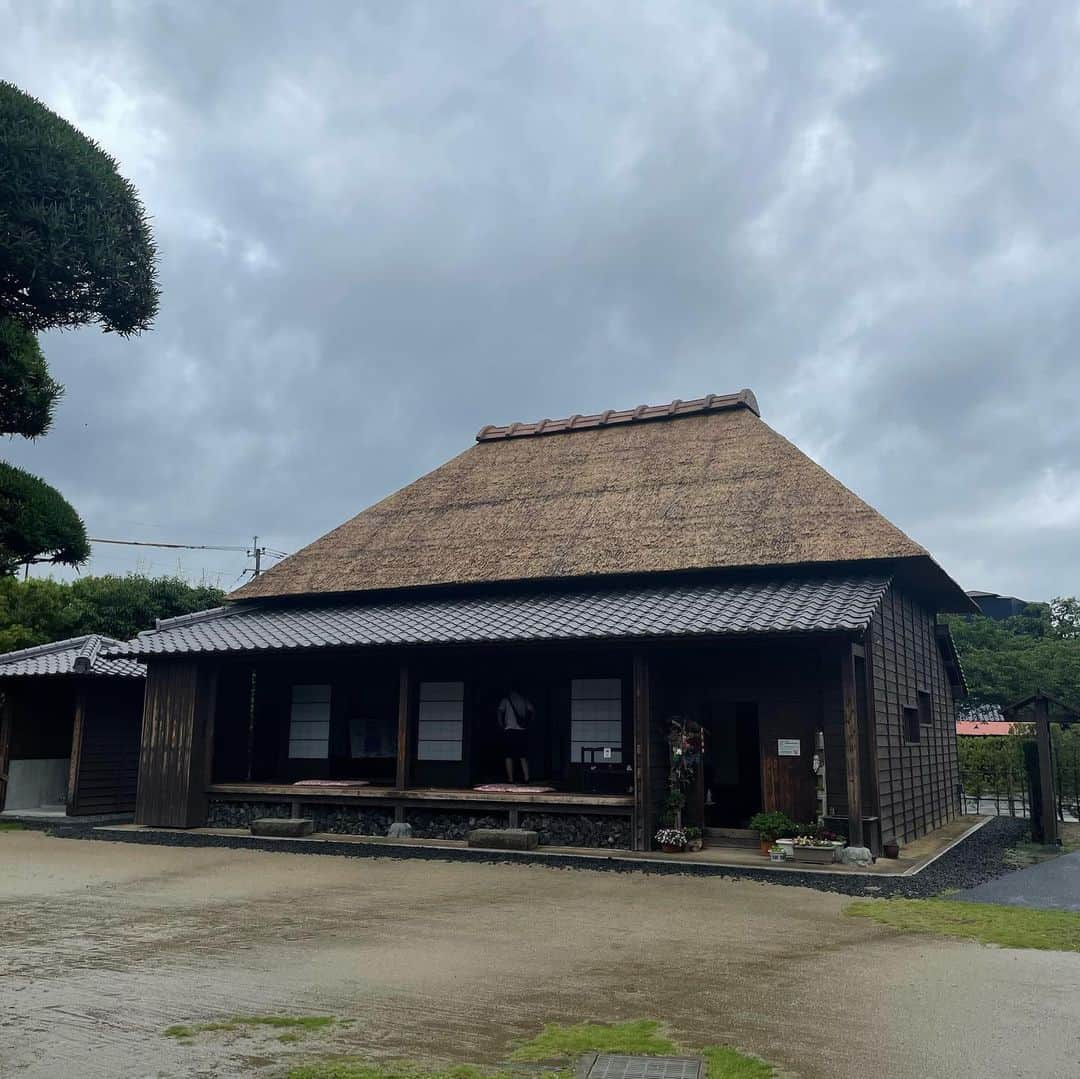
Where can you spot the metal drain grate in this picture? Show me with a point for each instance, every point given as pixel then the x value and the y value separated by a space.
pixel 615 1066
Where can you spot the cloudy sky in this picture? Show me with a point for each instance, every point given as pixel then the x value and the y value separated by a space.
pixel 384 225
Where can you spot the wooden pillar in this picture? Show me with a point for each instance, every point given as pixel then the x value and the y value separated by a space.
pixel 1043 742
pixel 851 746
pixel 7 721
pixel 77 736
pixel 403 743
pixel 176 753
pixel 642 824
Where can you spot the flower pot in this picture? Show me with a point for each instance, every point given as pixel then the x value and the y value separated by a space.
pixel 671 848
pixel 765 845
pixel 892 849
pixel 694 845
pixel 777 856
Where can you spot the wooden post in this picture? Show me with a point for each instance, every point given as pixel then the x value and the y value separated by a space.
pixel 851 747
pixel 1046 768
pixel 6 723
pixel 403 746
pixel 78 733
pixel 642 773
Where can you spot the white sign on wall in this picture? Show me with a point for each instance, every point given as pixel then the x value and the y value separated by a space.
pixel 788 747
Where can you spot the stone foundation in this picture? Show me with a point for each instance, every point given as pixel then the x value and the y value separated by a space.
pixel 241 814
pixel 579 829
pixel 448 824
pixel 554 829
pixel 349 820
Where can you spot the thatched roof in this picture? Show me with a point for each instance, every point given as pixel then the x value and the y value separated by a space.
pixel 696 485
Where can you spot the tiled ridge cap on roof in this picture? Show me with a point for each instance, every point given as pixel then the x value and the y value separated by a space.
pixel 187 619
pixel 713 402
pixel 49 647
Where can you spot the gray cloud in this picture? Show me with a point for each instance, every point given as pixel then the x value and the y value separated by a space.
pixel 383 226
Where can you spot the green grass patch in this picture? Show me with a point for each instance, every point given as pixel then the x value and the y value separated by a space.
pixel 723 1062
pixel 560 1046
pixel 1009 927
pixel 241 1022
pixel 639 1037
pixel 10 826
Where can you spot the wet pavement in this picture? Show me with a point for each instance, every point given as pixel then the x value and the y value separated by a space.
pixel 1050 885
pixel 104 945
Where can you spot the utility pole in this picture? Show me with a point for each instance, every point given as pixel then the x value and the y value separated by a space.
pixel 257 552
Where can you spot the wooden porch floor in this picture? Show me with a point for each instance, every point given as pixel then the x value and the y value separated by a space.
pixel 419 795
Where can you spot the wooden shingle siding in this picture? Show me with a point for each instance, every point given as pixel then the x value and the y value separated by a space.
pixel 917 780
pixel 177 741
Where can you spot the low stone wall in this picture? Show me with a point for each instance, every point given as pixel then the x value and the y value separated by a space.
pixel 579 829
pixel 349 820
pixel 241 814
pixel 448 824
pixel 555 829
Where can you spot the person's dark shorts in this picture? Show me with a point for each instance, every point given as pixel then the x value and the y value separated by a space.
pixel 515 743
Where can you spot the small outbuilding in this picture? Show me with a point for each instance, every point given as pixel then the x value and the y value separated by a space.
pixel 69 729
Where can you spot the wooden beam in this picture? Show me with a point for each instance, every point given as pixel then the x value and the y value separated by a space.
pixel 851 746
pixel 1041 705
pixel 403 725
pixel 77 735
pixel 642 824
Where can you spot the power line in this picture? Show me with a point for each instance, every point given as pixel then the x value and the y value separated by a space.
pixel 254 551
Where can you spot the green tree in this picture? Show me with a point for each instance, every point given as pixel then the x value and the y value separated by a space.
pixel 75 248
pixel 1006 660
pixel 38 611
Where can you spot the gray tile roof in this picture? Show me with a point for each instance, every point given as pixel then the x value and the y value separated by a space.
pixel 77 655
pixel 789 605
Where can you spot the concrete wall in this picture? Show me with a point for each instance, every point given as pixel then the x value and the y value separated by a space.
pixel 34 783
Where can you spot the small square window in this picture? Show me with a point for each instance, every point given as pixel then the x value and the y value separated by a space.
pixel 912 727
pixel 926 707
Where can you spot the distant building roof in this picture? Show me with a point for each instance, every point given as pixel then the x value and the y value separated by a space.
pixel 86 655
pixel 982 727
pixel 769 606
pixel 658 489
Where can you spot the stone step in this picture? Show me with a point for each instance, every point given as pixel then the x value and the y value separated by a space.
pixel 504 838
pixel 733 837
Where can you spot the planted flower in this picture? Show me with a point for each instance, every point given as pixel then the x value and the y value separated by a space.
pixel 671 839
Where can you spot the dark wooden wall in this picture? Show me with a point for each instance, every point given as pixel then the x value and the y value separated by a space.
pixel 105 756
pixel 177 744
pixel 795 686
pixel 917 781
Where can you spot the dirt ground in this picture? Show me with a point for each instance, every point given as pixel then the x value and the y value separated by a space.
pixel 104 945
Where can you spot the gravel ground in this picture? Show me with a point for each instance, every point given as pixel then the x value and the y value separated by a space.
pixel 105 945
pixel 977 859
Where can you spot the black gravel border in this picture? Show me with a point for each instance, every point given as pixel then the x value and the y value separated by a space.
pixel 975 860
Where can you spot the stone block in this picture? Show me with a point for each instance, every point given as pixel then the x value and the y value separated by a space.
pixel 399 830
pixel 503 838
pixel 289 827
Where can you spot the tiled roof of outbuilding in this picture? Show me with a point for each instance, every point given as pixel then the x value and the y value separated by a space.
pixel 776 605
pixel 77 655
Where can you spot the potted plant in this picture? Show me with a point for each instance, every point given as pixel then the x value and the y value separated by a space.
pixel 671 840
pixel 694 841
pixel 819 849
pixel 770 826
pixel 777 853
